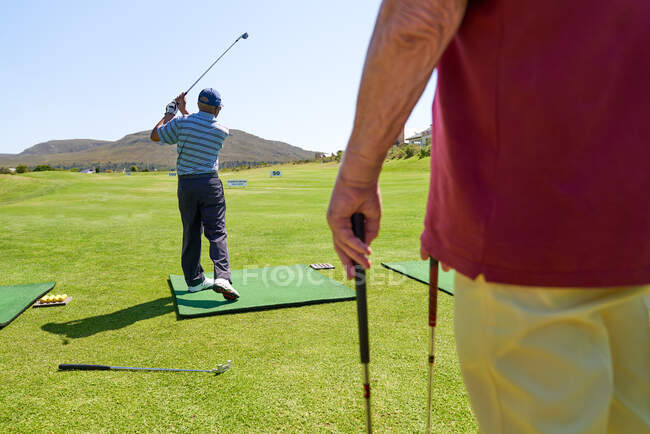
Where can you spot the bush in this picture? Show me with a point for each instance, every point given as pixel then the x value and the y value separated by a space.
pixel 5 171
pixel 21 169
pixel 394 152
pixel 43 168
pixel 425 151
pixel 134 168
pixel 108 171
pixel 407 150
pixel 74 169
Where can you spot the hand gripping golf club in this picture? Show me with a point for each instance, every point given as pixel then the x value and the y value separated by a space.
pixel 433 310
pixel 362 313
pixel 221 368
pixel 243 36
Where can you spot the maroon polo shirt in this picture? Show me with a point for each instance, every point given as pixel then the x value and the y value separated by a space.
pixel 540 163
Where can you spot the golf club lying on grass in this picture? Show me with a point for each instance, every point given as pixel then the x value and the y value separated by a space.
pixel 76 367
pixel 243 36
pixel 433 311
pixel 362 313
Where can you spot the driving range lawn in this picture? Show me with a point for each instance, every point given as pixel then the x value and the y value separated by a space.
pixel 110 241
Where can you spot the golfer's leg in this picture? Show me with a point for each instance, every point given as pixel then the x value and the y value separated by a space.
pixel 213 211
pixel 191 218
pixel 629 335
pixel 533 360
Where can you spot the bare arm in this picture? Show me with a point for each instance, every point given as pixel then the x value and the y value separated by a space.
pixel 408 40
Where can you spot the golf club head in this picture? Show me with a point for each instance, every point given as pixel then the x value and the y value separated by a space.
pixel 222 368
pixel 245 35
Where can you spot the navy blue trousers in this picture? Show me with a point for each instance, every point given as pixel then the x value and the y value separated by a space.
pixel 203 209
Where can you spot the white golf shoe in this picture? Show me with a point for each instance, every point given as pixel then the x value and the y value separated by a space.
pixel 206 284
pixel 223 287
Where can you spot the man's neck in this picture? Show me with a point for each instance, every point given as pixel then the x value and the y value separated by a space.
pixel 206 112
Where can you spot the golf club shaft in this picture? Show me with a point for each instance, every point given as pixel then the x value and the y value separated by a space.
pixel 362 314
pixel 433 311
pixel 366 395
pixel 81 367
pixel 213 63
pixel 126 368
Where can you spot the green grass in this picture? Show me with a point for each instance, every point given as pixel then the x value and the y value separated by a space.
pixel 110 241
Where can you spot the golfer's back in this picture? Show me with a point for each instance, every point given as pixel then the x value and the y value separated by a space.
pixel 199 137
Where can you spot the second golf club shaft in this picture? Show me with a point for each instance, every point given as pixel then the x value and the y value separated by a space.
pixel 358 228
pixel 433 313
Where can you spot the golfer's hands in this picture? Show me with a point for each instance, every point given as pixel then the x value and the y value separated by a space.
pixel 346 200
pixel 180 102
pixel 171 108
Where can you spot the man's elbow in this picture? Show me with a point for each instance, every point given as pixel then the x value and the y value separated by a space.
pixel 154 136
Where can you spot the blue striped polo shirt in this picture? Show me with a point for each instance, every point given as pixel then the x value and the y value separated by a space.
pixel 199 138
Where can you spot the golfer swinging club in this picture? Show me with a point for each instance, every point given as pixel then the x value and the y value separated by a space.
pixel 200 191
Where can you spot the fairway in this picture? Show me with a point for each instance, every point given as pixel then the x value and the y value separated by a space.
pixel 111 241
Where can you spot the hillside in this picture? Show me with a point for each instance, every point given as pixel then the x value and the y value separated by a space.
pixel 239 148
pixel 63 146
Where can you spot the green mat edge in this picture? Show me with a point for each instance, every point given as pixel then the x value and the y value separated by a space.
pixel 388 267
pixel 251 309
pixel 51 286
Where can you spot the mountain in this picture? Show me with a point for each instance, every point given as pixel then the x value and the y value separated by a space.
pixel 239 148
pixel 63 146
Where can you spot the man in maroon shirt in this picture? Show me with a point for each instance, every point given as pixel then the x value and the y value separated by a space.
pixel 539 197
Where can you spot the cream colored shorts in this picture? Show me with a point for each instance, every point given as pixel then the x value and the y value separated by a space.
pixel 549 360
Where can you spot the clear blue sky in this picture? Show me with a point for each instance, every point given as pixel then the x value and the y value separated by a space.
pixel 104 69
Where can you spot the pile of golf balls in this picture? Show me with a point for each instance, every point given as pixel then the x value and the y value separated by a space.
pixel 54 298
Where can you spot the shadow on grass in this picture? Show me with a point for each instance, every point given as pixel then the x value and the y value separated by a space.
pixel 201 304
pixel 82 328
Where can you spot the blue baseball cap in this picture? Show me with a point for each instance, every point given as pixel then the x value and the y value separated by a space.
pixel 211 97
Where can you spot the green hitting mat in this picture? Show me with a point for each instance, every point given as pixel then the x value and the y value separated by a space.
pixel 419 270
pixel 260 289
pixel 14 299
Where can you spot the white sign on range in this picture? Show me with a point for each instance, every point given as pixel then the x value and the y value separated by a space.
pixel 237 182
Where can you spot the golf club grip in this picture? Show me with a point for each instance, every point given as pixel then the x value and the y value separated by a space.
pixel 75 367
pixel 360 285
pixel 433 291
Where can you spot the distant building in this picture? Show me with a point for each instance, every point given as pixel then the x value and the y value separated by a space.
pixel 12 169
pixel 422 138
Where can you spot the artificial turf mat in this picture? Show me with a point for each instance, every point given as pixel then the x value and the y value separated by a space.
pixel 419 270
pixel 14 299
pixel 260 289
